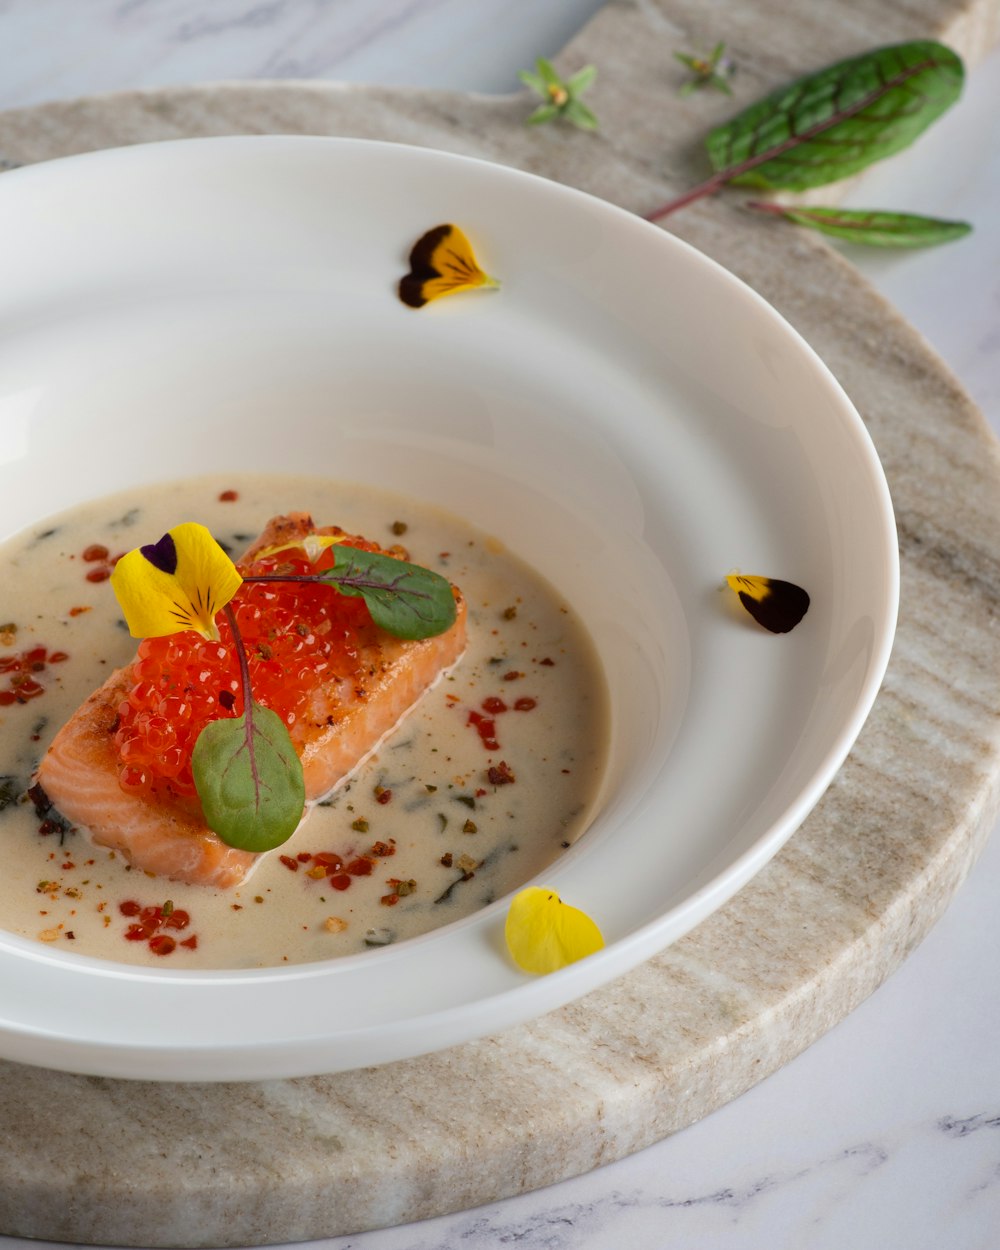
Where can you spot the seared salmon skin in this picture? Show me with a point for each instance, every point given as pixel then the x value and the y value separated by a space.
pixel 120 768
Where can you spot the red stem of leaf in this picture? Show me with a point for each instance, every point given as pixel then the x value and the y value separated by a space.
pixel 763 206
pixel 241 655
pixel 343 580
pixel 719 180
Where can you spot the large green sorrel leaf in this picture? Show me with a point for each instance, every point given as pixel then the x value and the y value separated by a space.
pixel 831 124
pixel 249 780
pixel 404 599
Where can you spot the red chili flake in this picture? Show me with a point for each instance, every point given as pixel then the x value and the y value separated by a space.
pixel 78 611
pixel 229 496
pixel 486 728
pixel 547 662
pixel 341 881
pixel 382 850
pixel 303 857
pixel 191 943
pixel 382 795
pixel 58 657
pixel 291 864
pixel 360 867
pixel 389 900
pixel 493 705
pixel 513 675
pixel 331 863
pixel 151 920
pixel 98 575
pixel 500 774
pixel 525 705
pixel 95 552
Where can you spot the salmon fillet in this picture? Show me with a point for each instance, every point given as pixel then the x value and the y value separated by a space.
pixel 346 719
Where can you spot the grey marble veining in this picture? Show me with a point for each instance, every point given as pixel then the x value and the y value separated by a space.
pixel 860 885
pixel 153 43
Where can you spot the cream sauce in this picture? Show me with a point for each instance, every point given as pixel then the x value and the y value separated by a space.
pixel 459 841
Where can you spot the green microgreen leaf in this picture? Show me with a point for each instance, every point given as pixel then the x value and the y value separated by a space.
pixel 581 80
pixel 833 123
pixel 404 599
pixel 560 97
pixel 534 81
pixel 249 779
pixel 547 72
pixel 872 228
pixel 544 113
pixel 580 115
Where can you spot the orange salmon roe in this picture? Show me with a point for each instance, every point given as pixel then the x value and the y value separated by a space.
pixel 298 636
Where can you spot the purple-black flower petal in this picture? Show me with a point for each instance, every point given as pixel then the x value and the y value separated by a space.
pixel 162 555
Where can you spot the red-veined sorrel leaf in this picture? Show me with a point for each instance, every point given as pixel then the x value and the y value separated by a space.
pixel 406 600
pixel 249 779
pixel 832 123
pixel 873 228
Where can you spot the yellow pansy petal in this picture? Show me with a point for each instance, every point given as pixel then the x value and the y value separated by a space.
pixel 312 544
pixel 777 605
pixel 545 934
pixel 178 583
pixel 442 261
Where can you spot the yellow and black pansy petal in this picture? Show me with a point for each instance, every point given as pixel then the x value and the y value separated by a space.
pixel 777 605
pixel 178 583
pixel 442 261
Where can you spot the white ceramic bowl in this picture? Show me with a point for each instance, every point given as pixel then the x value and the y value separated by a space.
pixel 623 412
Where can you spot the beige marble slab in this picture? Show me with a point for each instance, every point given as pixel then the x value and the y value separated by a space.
pixel 96 1160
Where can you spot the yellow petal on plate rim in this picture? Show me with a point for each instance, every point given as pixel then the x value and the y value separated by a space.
pixel 545 934
pixel 773 603
pixel 441 262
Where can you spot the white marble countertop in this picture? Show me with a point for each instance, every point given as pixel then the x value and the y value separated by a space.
pixel 886 1133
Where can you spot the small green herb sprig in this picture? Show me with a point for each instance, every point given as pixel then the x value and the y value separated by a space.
pixel 713 70
pixel 560 97
pixel 829 125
